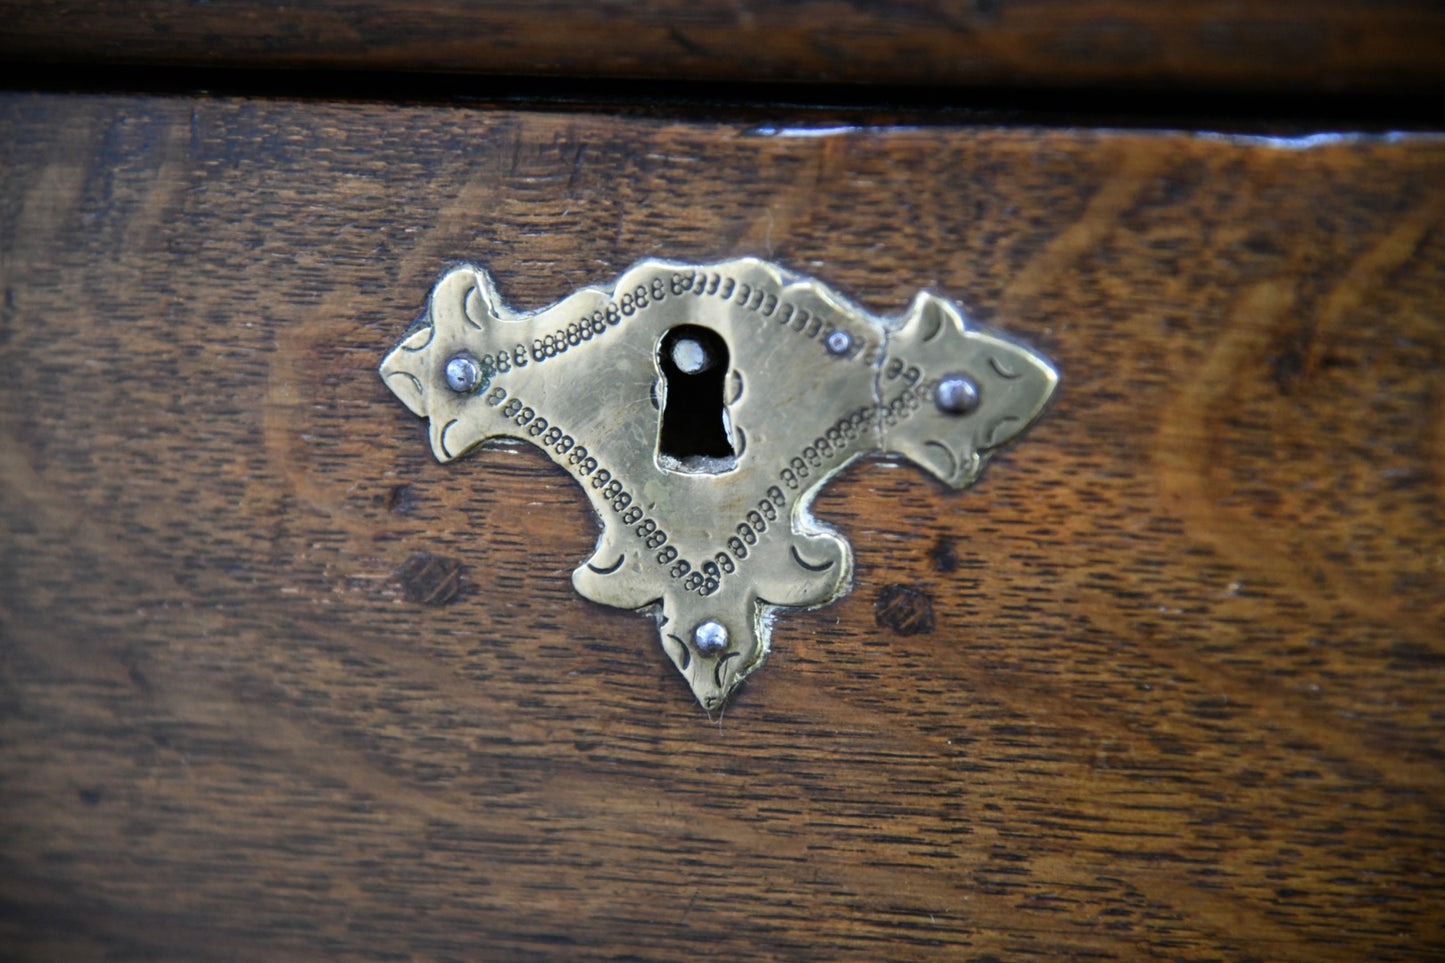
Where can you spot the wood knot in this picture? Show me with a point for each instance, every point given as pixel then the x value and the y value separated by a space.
pixel 944 554
pixel 399 499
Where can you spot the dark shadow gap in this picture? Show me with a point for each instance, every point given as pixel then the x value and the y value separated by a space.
pixel 770 105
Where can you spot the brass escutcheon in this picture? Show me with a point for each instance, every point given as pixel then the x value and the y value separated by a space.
pixel 701 408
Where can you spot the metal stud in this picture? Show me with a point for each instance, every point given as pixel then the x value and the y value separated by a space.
pixel 690 356
pixel 839 343
pixel 710 637
pixel 956 394
pixel 463 373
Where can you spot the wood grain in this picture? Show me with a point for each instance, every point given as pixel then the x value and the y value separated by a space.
pixel 275 685
pixel 1275 45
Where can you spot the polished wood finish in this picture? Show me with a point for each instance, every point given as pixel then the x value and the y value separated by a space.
pixel 1280 45
pixel 275 685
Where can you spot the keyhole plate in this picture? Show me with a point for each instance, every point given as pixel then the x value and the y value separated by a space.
pixel 812 382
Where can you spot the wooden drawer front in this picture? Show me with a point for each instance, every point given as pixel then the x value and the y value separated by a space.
pixel 1392 47
pixel 1178 692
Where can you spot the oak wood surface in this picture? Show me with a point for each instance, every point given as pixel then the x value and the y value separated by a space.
pixel 1281 45
pixel 1167 683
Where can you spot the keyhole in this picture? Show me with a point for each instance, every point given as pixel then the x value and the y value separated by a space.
pixel 693 433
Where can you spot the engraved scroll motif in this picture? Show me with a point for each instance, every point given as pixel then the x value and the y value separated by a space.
pixel 714 542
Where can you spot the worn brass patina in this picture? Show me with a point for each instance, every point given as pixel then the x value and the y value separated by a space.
pixel 701 408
